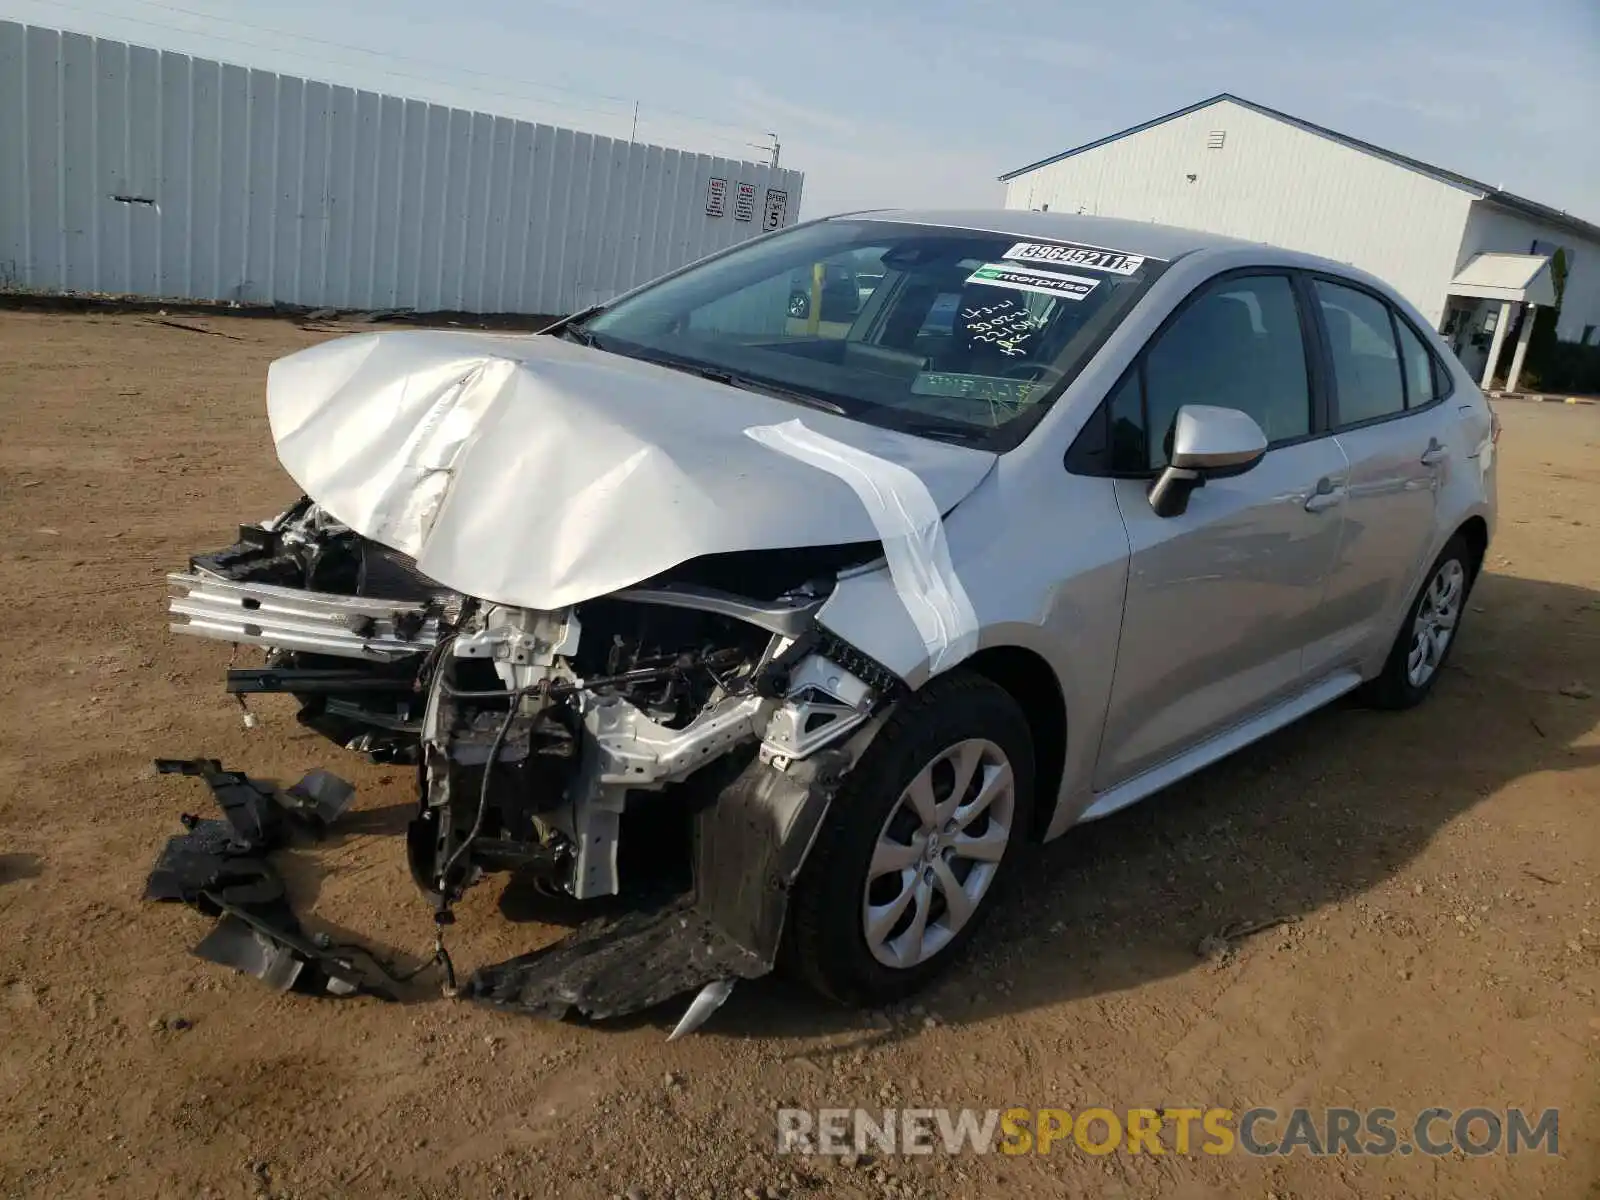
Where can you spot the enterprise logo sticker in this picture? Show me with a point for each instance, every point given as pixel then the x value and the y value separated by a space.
pixel 1025 279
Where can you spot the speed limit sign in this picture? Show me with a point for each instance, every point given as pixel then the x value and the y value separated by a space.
pixel 777 208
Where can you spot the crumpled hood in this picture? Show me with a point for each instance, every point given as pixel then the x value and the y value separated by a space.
pixel 532 471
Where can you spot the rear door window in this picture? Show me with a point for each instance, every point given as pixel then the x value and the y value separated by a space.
pixel 1366 362
pixel 1421 375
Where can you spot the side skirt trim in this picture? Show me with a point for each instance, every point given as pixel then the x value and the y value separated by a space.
pixel 1220 745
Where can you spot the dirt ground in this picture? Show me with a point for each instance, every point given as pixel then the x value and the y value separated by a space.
pixel 1437 870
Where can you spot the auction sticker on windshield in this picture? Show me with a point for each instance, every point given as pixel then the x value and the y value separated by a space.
pixel 1113 261
pixel 1026 279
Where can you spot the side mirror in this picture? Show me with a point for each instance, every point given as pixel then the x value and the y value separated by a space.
pixel 1207 443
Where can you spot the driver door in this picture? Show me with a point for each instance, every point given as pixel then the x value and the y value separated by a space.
pixel 1223 598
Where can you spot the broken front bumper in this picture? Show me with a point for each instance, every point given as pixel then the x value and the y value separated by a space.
pixel 748 850
pixel 222 868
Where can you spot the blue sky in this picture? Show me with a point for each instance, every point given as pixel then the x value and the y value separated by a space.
pixel 924 102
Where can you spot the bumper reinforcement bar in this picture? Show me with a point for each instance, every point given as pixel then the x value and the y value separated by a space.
pixel 264 614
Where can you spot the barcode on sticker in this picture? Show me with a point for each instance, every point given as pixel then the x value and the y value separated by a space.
pixel 1112 261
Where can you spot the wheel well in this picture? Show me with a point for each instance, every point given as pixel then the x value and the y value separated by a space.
pixel 1476 531
pixel 1032 684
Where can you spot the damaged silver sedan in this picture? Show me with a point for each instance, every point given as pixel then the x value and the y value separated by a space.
pixel 794 595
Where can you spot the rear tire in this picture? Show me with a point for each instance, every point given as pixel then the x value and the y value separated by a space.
pixel 1429 632
pixel 939 806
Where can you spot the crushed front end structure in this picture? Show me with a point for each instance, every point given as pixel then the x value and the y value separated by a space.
pixel 674 739
pixel 535 734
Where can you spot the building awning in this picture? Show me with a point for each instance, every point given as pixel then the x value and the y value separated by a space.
pixel 1495 276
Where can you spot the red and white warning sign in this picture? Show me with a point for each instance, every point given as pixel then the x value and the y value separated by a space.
pixel 716 197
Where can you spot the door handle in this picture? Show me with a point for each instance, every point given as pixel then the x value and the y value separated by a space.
pixel 1326 496
pixel 1434 454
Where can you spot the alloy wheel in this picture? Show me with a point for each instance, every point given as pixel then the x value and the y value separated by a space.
pixel 1435 622
pixel 937 853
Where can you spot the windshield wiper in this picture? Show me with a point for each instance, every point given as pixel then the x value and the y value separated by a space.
pixel 714 374
pixel 761 386
pixel 962 435
pixel 568 327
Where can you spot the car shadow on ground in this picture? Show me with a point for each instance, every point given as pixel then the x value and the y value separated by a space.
pixel 1314 815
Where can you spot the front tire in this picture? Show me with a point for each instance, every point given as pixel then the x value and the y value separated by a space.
pixel 904 869
pixel 1429 631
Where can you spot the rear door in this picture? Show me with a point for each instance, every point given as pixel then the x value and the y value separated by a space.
pixel 1387 410
pixel 1223 598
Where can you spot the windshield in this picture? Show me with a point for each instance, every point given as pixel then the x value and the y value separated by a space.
pixel 950 333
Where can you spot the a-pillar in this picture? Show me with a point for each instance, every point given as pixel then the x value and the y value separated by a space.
pixel 1495 346
pixel 1529 313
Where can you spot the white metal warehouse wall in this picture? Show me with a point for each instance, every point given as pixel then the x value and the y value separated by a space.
pixel 1268 182
pixel 133 171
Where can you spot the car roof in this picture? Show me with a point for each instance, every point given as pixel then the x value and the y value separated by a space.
pixel 1107 233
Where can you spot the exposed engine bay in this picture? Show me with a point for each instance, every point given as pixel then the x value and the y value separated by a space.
pixel 674 741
